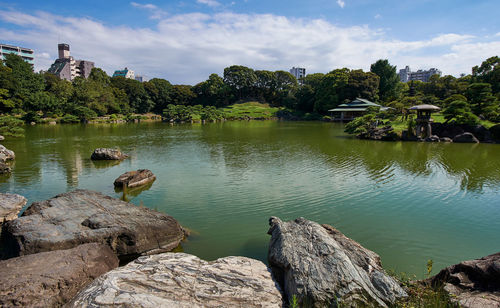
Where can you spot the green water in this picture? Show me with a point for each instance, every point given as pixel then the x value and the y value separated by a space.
pixel 409 202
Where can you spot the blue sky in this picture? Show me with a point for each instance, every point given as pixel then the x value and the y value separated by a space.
pixel 185 41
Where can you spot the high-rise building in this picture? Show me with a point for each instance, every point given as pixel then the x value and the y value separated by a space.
pixel 406 74
pixel 125 73
pixel 298 72
pixel 25 53
pixel 66 67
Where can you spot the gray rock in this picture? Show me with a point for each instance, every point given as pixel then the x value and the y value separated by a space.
pixel 10 206
pixel 323 267
pixel 474 283
pixel 432 138
pixel 182 280
pixel 465 138
pixel 50 279
pixel 4 168
pixel 83 216
pixel 107 154
pixel 2 138
pixel 6 154
pixel 135 178
pixel 445 139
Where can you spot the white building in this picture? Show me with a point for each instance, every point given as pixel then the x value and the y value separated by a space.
pixel 298 72
pixel 406 74
pixel 125 73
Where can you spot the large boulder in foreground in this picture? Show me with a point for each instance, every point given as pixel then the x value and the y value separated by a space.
pixel 83 216
pixel 474 283
pixel 323 267
pixel 6 154
pixel 182 280
pixel 107 154
pixel 135 178
pixel 50 279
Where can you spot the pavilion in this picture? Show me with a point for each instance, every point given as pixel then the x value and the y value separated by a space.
pixel 354 109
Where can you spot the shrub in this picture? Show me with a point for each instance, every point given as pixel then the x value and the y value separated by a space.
pixel 11 126
pixel 69 118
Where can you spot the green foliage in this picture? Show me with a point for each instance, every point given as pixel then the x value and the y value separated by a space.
pixel 11 126
pixel 69 118
pixel 360 125
pixel 389 86
pixel 459 113
pixel 250 110
pixel 85 114
pixel 429 267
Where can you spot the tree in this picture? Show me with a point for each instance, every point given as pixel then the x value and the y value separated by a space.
pixel 489 72
pixel 182 95
pixel 331 90
pixel 241 79
pixel 480 98
pixel 459 112
pixel 138 98
pixel 11 126
pixel 160 92
pixel 24 82
pixel 211 92
pixel 363 85
pixel 389 86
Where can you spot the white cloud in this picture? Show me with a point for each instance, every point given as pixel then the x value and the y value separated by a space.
pixel 157 13
pixel 377 16
pixel 211 3
pixel 341 3
pixel 187 48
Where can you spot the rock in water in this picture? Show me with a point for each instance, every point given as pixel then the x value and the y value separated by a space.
pixel 83 216
pixel 465 138
pixel 10 206
pixel 107 154
pixel 182 280
pixel 135 178
pixel 6 154
pixel 323 267
pixel 2 138
pixel 50 279
pixel 4 168
pixel 474 283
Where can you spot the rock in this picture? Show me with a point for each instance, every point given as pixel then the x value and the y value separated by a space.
pixel 107 154
pixel 135 178
pixel 83 216
pixel 474 283
pixel 445 139
pixel 52 123
pixel 2 138
pixel 6 154
pixel 10 206
pixel 50 279
pixel 495 132
pixel 465 138
pixel 323 267
pixel 4 168
pixel 432 138
pixel 182 280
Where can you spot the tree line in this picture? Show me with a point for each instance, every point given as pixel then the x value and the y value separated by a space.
pixel 33 95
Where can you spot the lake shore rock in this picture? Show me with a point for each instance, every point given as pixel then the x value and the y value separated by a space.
pixel 50 279
pixel 465 138
pixel 135 178
pixel 321 266
pixel 4 168
pixel 10 206
pixel 183 280
pixel 83 216
pixel 6 154
pixel 107 154
pixel 385 133
pixel 473 283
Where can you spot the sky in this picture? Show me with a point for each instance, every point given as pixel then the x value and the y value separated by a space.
pixel 185 41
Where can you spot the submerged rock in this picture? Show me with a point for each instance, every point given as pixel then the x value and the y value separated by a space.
pixel 83 216
pixel 323 267
pixel 182 280
pixel 6 154
pixel 135 178
pixel 474 283
pixel 107 154
pixel 432 138
pixel 465 138
pixel 50 279
pixel 445 139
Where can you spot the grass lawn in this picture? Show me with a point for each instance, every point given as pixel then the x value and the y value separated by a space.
pixel 250 110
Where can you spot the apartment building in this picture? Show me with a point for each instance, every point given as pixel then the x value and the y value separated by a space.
pixel 406 74
pixel 66 67
pixel 27 54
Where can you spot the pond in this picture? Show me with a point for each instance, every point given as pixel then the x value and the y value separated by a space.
pixel 408 202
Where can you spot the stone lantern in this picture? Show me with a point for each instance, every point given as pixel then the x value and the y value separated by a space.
pixel 424 120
